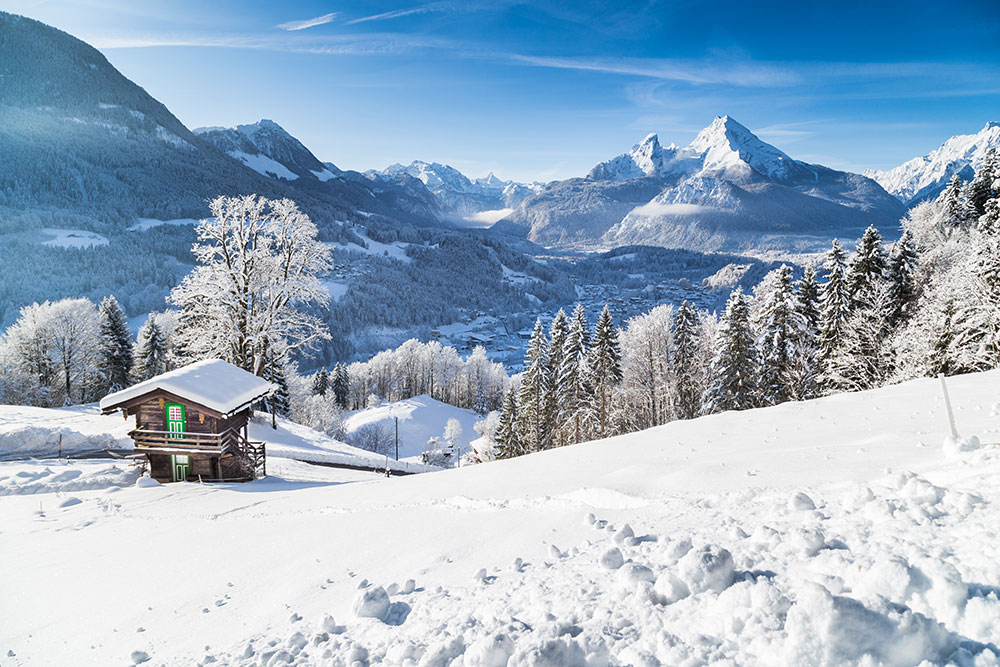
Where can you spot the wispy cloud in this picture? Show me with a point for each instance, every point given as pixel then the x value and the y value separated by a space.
pixel 395 14
pixel 308 23
pixel 690 71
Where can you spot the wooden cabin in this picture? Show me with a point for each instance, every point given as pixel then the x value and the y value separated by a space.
pixel 192 422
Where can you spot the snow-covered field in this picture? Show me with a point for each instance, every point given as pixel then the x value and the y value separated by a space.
pixel 420 418
pixel 835 531
pixel 71 238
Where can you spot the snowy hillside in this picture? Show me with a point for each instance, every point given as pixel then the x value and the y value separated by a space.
pixel 924 177
pixel 726 190
pixel 835 531
pixel 420 418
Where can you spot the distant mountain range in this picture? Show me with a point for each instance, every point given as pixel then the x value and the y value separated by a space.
pixel 81 142
pixel 925 177
pixel 727 190
pixel 458 193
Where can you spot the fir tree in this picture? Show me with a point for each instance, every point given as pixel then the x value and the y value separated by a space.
pixel 686 397
pixel 956 204
pixel 900 278
pixel 114 347
pixel 508 439
pixel 573 375
pixel 940 361
pixel 861 360
pixel 834 304
pixel 554 411
pixel 807 340
pixel 777 333
pixel 981 188
pixel 320 382
pixel 341 385
pixel 151 350
pixel 605 367
pixel 867 269
pixel 533 392
pixel 732 385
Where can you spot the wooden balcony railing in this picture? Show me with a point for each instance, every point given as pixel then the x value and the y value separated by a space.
pixel 177 440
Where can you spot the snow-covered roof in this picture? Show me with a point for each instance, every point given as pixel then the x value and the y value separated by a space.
pixel 213 383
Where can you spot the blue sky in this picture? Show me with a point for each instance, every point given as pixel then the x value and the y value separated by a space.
pixel 541 90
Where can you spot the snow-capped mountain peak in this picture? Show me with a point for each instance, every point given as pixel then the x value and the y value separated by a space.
pixel 924 177
pixel 458 192
pixel 269 149
pixel 727 144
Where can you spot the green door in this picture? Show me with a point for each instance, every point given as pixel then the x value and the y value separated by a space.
pixel 175 420
pixel 180 467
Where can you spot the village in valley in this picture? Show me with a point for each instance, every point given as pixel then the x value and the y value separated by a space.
pixel 699 403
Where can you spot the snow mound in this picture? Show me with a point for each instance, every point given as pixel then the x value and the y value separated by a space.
pixel 954 445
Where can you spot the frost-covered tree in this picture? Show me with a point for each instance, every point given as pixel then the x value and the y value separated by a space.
pixel 150 352
pixel 572 382
pixel 484 448
pixel 605 369
pixel 29 367
pixel 554 409
pixel 984 186
pixel 643 399
pixel 533 393
pixel 508 437
pixel 114 362
pixel 805 370
pixel 733 376
pixel 955 202
pixel 452 432
pixel 778 332
pixel 901 280
pixel 54 347
pixel 866 269
pixel 684 363
pixel 862 360
pixel 248 301
pixel 834 302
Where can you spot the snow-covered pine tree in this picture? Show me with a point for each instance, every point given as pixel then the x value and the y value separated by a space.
pixel 114 347
pixel 866 269
pixel 778 331
pixel 320 382
pixel 862 360
pixel 150 350
pixel 605 368
pixel 732 380
pixel 807 340
pixel 532 395
pixel 834 304
pixel 683 359
pixel 982 187
pixel 900 278
pixel 573 375
pixel 941 359
pixel 554 409
pixel 957 207
pixel 340 385
pixel 508 438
